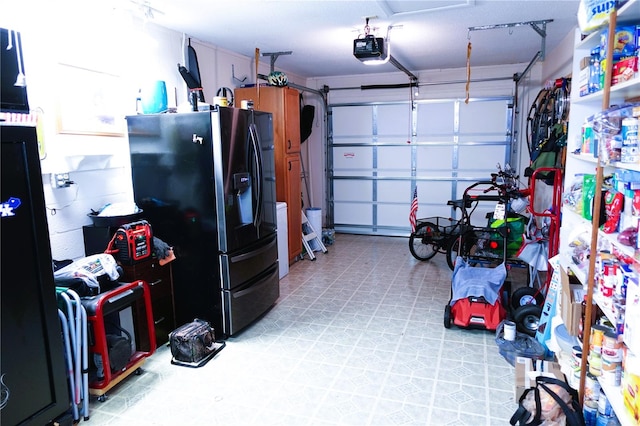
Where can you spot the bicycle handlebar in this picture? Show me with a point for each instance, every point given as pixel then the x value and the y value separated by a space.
pixel 493 187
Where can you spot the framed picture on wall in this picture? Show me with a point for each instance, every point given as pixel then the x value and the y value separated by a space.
pixel 89 102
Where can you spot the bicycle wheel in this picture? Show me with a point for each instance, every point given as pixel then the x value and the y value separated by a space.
pixel 468 244
pixel 421 242
pixel 452 251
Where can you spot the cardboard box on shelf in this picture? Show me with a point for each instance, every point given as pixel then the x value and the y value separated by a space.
pixel 571 297
pixel 626 40
pixel 624 70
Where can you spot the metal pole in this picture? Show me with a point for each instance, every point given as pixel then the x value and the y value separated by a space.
pixel 416 84
pixel 595 219
pixel 542 32
pixel 398 65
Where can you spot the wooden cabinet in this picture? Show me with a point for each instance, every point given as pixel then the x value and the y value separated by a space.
pixel 284 104
pixel 160 284
pixel 291 177
pixel 292 121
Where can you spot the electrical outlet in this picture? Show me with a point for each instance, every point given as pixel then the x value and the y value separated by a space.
pixel 60 180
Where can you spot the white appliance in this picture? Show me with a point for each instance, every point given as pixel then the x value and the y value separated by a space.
pixel 283 238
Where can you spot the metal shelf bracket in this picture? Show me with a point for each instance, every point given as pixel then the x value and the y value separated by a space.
pixel 539 27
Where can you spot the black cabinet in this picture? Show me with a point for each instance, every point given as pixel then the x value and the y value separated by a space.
pixel 160 283
pixel 34 388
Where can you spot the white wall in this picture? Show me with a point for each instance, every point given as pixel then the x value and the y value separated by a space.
pixel 100 39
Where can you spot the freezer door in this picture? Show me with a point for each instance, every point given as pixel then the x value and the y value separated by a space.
pixel 244 181
pixel 242 266
pixel 244 304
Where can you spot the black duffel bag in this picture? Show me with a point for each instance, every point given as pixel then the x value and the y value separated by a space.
pixel 194 344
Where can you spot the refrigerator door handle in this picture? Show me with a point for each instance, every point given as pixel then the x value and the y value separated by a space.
pixel 257 160
pixel 256 287
pixel 253 253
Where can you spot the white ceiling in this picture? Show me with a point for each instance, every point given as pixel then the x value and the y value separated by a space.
pixel 426 34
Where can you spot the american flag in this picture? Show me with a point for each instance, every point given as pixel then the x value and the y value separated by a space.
pixel 414 209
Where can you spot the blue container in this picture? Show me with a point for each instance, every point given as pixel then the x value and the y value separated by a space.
pixel 154 97
pixel 590 413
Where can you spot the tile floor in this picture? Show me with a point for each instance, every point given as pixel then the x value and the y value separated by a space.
pixel 356 338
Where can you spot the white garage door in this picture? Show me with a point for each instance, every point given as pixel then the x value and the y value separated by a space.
pixel 378 152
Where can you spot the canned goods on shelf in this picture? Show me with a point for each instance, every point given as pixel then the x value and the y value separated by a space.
pixel 604 406
pixel 591 388
pixel 590 412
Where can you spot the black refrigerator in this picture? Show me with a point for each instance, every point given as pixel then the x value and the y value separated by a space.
pixel 206 183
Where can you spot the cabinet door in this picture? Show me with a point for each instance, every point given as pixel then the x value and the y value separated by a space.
pixel 161 292
pixel 294 206
pixel 32 363
pixel 292 121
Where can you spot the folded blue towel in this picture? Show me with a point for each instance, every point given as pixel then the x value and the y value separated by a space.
pixel 473 281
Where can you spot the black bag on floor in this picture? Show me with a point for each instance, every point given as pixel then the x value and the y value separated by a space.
pixel 194 344
pixel 550 400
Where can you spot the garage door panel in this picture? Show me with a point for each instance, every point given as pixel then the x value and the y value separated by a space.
pixel 391 118
pixel 435 119
pixel 346 160
pixel 483 117
pixel 433 193
pixel 394 191
pixel 353 190
pixel 434 158
pixel 394 158
pixel 477 158
pixel 353 120
pixel 354 213
pixel 393 215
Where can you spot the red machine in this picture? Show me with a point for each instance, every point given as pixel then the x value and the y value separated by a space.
pixel 133 242
pixel 106 339
pixel 477 295
pixel 477 312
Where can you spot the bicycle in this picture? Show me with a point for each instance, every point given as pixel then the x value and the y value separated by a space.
pixel 438 234
pixel 500 239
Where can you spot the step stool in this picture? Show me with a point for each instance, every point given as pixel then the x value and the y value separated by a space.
pixel 309 234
